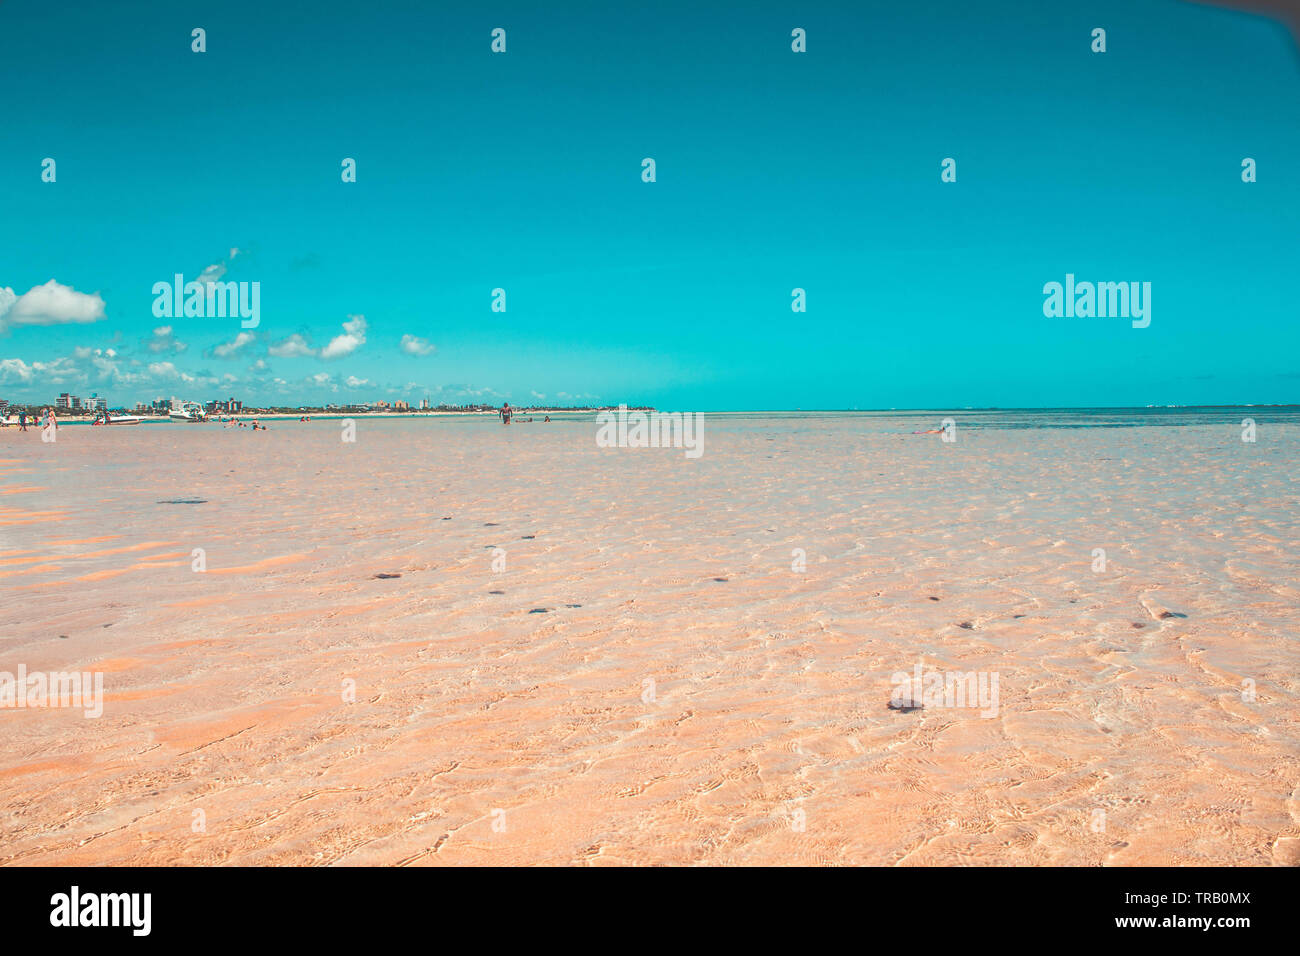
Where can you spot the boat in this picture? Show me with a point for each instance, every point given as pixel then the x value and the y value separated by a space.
pixel 103 418
pixel 187 412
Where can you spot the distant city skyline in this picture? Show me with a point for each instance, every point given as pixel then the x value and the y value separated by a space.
pixel 918 179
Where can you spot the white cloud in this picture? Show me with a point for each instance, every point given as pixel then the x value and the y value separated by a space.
pixel 232 348
pixel 296 346
pixel 164 370
pixel 354 382
pixel 14 371
pixel 62 371
pixel 353 337
pixel 49 304
pixel 292 347
pixel 164 341
pixel 414 345
pixel 214 272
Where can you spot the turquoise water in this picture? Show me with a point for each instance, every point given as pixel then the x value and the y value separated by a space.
pixel 900 419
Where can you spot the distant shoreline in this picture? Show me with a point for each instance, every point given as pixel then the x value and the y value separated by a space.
pixel 10 414
pixel 331 414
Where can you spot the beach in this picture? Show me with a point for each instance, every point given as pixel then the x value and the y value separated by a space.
pixel 455 642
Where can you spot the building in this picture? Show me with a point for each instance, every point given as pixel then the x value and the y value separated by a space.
pixel 65 401
pixel 424 404
pixel 400 406
pixel 229 407
pixel 92 404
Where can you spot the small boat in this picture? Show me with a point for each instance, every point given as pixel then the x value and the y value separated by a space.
pixel 103 418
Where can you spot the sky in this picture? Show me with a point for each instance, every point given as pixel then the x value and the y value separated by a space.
pixel 774 171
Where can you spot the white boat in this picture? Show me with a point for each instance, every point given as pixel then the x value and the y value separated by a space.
pixel 105 419
pixel 188 412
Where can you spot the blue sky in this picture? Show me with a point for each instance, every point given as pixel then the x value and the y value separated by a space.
pixel 775 170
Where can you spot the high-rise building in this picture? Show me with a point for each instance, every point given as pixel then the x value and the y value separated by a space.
pixel 65 400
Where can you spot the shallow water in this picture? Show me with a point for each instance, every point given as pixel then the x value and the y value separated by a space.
pixel 657 683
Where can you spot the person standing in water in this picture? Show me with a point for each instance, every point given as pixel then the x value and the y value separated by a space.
pixel 505 414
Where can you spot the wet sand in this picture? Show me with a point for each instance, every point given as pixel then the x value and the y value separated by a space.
pixel 654 681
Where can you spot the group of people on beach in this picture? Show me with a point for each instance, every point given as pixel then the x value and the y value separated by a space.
pixel 46 419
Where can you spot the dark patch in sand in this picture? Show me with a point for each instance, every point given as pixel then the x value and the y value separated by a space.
pixel 719 579
pixel 527 537
pixel 573 605
pixel 383 574
pixel 183 501
pixel 967 624
pixel 933 598
pixel 496 592
pixel 905 706
pixel 1138 624
pixel 539 610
